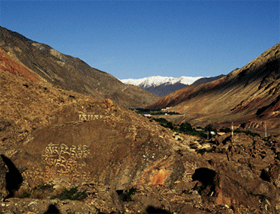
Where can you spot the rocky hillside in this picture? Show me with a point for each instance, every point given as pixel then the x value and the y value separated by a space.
pixel 248 96
pixel 67 152
pixel 69 72
pixel 207 79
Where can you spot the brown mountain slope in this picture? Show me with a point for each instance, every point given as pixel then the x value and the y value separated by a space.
pixel 71 73
pixel 74 153
pixel 245 95
pixel 207 79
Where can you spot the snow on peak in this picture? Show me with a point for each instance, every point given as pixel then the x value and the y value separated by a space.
pixel 158 80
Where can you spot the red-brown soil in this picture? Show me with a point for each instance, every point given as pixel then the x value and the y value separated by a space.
pixel 32 58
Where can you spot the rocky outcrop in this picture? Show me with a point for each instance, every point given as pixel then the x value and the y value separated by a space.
pixel 65 152
pixel 91 155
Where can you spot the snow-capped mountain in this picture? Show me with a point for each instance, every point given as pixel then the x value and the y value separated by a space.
pixel 159 80
pixel 161 85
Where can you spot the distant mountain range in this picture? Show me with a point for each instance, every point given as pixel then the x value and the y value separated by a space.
pixel 163 86
pixel 160 80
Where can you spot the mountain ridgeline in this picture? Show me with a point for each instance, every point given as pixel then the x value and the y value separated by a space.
pixel 248 96
pixel 71 73
pixel 166 88
pixel 207 79
pixel 163 86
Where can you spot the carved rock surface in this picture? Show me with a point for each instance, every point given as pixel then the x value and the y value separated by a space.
pixel 71 153
pixel 3 171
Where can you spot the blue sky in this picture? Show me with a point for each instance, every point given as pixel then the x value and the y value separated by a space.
pixel 136 39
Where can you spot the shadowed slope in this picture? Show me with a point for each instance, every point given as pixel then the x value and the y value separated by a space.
pixel 237 96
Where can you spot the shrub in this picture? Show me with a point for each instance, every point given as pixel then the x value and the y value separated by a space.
pixel 71 194
pixel 185 127
pixel 44 187
pixel 226 130
pixel 199 134
pixel 23 192
pixel 164 122
pixel 201 151
pixel 247 132
pixel 209 128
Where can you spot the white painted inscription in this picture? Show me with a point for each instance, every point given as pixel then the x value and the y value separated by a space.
pixel 88 116
pixel 60 159
pixel 62 156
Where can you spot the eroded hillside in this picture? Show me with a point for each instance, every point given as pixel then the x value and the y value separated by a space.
pixel 66 152
pixel 62 151
pixel 71 73
pixel 249 95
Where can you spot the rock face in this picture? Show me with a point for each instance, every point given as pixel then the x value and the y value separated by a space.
pixel 69 152
pixel 39 61
pixel 66 152
pixel 3 172
pixel 247 96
